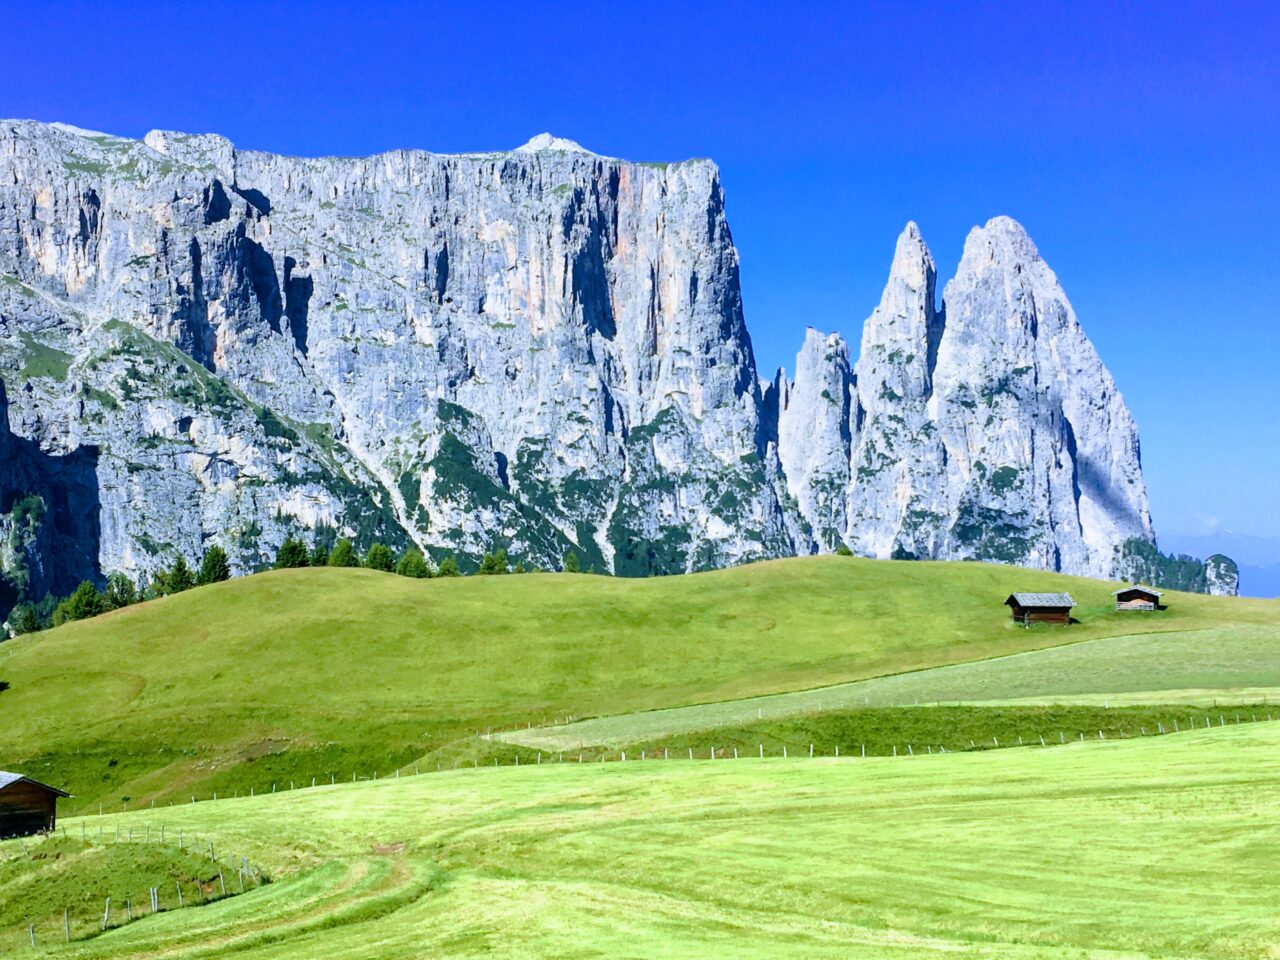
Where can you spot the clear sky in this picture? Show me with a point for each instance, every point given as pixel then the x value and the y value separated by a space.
pixel 1138 143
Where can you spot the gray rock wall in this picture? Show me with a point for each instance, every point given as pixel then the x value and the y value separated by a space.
pixel 543 349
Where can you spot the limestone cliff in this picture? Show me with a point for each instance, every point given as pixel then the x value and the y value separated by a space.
pixel 543 349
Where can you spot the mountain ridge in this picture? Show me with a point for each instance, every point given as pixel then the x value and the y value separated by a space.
pixel 545 349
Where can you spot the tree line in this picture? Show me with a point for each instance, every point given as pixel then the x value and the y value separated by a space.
pixel 87 600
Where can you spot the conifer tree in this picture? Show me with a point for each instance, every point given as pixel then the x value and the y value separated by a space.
pixel 214 567
pixel 448 567
pixel 380 557
pixel 120 591
pixel 412 564
pixel 179 577
pixel 343 555
pixel 83 603
pixel 292 554
pixel 494 563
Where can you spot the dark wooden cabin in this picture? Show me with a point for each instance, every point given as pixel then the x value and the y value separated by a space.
pixel 1137 598
pixel 1031 608
pixel 27 806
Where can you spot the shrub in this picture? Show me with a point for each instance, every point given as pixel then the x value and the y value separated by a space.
pixel 571 564
pixel 843 551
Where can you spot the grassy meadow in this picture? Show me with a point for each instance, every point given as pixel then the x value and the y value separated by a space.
pixel 1231 664
pixel 1161 847
pixel 295 674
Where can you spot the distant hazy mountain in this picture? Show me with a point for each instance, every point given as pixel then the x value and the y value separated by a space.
pixel 543 349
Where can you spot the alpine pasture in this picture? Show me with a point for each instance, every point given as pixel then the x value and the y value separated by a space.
pixel 1146 828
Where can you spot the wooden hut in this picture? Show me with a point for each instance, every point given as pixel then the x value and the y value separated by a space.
pixel 27 806
pixel 1137 598
pixel 1031 608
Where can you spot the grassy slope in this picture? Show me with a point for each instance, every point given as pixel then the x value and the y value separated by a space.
pixel 297 673
pixel 1013 854
pixel 1239 663
pixel 65 873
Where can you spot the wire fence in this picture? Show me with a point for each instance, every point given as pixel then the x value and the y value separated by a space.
pixel 222 877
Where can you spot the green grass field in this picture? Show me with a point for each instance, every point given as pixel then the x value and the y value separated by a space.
pixel 1164 847
pixel 1226 664
pixel 289 675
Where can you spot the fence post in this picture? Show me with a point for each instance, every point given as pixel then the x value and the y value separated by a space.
pixel 66 924
pixel 106 914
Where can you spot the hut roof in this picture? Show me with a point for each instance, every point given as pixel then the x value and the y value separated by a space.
pixel 1137 586
pixel 8 779
pixel 1042 599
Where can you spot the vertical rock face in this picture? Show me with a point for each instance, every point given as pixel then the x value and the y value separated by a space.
pixel 543 349
pixel 987 428
pixel 815 434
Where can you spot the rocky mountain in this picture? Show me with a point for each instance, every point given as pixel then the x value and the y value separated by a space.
pixel 543 349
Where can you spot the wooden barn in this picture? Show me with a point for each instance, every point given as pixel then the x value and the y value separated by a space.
pixel 1031 608
pixel 26 806
pixel 1137 598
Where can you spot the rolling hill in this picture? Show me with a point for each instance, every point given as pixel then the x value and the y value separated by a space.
pixel 290 675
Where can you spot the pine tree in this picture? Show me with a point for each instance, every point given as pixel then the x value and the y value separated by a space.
pixel 120 591
pixel 24 619
pixel 85 602
pixel 214 567
pixel 343 555
pixel 319 555
pixel 494 563
pixel 180 576
pixel 380 557
pixel 292 554
pixel 571 564
pixel 413 565
pixel 448 567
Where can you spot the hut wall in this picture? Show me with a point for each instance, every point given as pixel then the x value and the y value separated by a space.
pixel 26 809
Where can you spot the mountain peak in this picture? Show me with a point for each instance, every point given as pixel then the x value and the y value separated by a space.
pixel 546 141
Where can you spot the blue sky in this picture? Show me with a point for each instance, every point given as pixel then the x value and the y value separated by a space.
pixel 1139 144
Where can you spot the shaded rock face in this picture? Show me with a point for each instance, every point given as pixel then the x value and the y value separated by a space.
pixel 49 511
pixel 542 349
pixel 985 428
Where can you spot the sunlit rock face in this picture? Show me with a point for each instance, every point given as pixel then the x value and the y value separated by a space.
pixel 541 349
pixel 985 428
